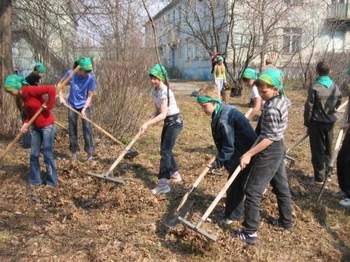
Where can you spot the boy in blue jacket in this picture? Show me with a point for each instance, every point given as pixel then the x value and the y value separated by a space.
pixel 233 136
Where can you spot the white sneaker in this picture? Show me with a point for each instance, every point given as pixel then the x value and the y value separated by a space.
pixel 345 202
pixel 162 187
pixel 228 221
pixel 176 177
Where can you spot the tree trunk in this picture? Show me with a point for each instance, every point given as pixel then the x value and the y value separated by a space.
pixel 7 105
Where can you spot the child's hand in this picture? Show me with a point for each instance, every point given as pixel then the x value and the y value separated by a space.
pixel 83 112
pixel 245 160
pixel 24 127
pixel 44 106
pixel 143 128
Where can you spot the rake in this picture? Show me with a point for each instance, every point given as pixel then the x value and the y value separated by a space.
pixel 107 175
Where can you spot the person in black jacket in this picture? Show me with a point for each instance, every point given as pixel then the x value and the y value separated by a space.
pixel 319 117
pixel 233 136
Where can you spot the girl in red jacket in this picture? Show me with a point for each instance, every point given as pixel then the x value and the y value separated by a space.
pixel 43 128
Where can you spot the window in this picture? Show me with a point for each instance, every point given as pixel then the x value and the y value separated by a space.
pixel 293 2
pixel 291 40
pixel 336 41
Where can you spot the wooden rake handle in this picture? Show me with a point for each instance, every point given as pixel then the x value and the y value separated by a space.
pixel 94 124
pixel 18 136
pixel 221 193
pixel 123 153
pixel 297 143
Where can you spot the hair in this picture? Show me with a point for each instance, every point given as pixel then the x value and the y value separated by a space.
pixel 76 63
pixel 33 78
pixel 268 61
pixel 322 68
pixel 209 90
pixel 260 83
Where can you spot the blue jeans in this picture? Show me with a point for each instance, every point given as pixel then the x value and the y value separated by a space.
pixel 267 167
pixel 171 129
pixel 73 132
pixel 42 137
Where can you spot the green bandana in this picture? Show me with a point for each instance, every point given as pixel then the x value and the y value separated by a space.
pixel 219 59
pixel 85 63
pixel 159 72
pixel 250 73
pixel 40 67
pixel 208 99
pixel 273 77
pixel 13 82
pixel 325 81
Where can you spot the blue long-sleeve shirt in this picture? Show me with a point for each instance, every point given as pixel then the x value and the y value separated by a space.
pixel 233 135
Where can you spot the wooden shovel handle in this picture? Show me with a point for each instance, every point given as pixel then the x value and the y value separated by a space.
pixel 18 136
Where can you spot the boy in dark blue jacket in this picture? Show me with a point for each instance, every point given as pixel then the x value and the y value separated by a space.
pixel 233 136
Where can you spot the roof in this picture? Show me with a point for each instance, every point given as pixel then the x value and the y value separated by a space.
pixel 165 9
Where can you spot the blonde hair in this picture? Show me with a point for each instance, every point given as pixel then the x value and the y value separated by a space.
pixel 209 90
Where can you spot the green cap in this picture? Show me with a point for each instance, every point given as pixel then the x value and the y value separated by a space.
pixel 219 59
pixel 40 67
pixel 13 82
pixel 273 77
pixel 250 73
pixel 159 72
pixel 85 63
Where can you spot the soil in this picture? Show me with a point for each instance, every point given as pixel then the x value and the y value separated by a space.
pixel 90 219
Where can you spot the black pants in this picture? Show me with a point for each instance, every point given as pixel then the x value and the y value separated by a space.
pixel 343 165
pixel 234 205
pixel 267 167
pixel 321 136
pixel 171 129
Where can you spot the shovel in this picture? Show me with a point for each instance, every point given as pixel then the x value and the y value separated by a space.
pixel 107 175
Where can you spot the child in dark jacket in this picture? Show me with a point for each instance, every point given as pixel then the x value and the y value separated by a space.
pixel 43 129
pixel 233 136
pixel 266 158
pixel 319 118
pixel 343 160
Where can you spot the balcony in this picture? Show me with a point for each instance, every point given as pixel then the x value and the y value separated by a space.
pixel 338 12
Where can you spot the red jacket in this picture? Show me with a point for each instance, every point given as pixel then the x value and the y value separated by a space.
pixel 33 99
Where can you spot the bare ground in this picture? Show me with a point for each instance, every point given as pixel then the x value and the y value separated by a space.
pixel 86 219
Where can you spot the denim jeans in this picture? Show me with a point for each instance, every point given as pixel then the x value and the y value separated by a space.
pixel 267 167
pixel 321 136
pixel 45 138
pixel 73 132
pixel 171 129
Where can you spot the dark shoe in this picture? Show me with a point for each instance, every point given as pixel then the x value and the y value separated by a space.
pixel 250 239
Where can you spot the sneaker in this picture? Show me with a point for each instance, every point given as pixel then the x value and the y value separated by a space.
pixel 162 188
pixel 90 158
pixel 318 181
pixel 176 177
pixel 227 221
pixel 250 239
pixel 345 202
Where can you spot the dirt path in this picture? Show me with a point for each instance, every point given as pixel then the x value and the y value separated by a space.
pixel 86 219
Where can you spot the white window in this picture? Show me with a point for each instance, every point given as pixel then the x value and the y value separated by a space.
pixel 336 42
pixel 291 40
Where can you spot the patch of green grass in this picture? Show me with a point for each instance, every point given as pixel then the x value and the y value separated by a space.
pixel 5 237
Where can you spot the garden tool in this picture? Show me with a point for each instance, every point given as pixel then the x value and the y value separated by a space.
pixel 197 227
pixel 108 174
pixel 331 162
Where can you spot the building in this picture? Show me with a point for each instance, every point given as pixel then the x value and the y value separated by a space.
pixel 189 31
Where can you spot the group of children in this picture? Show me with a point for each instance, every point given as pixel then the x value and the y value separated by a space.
pixel 259 153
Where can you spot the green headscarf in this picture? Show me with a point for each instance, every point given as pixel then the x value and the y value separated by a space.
pixel 273 77
pixel 250 73
pixel 85 63
pixel 40 67
pixel 208 99
pixel 159 72
pixel 219 59
pixel 325 81
pixel 13 82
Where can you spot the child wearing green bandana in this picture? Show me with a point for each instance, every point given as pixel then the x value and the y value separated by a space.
pixel 249 77
pixel 319 117
pixel 233 135
pixel 166 110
